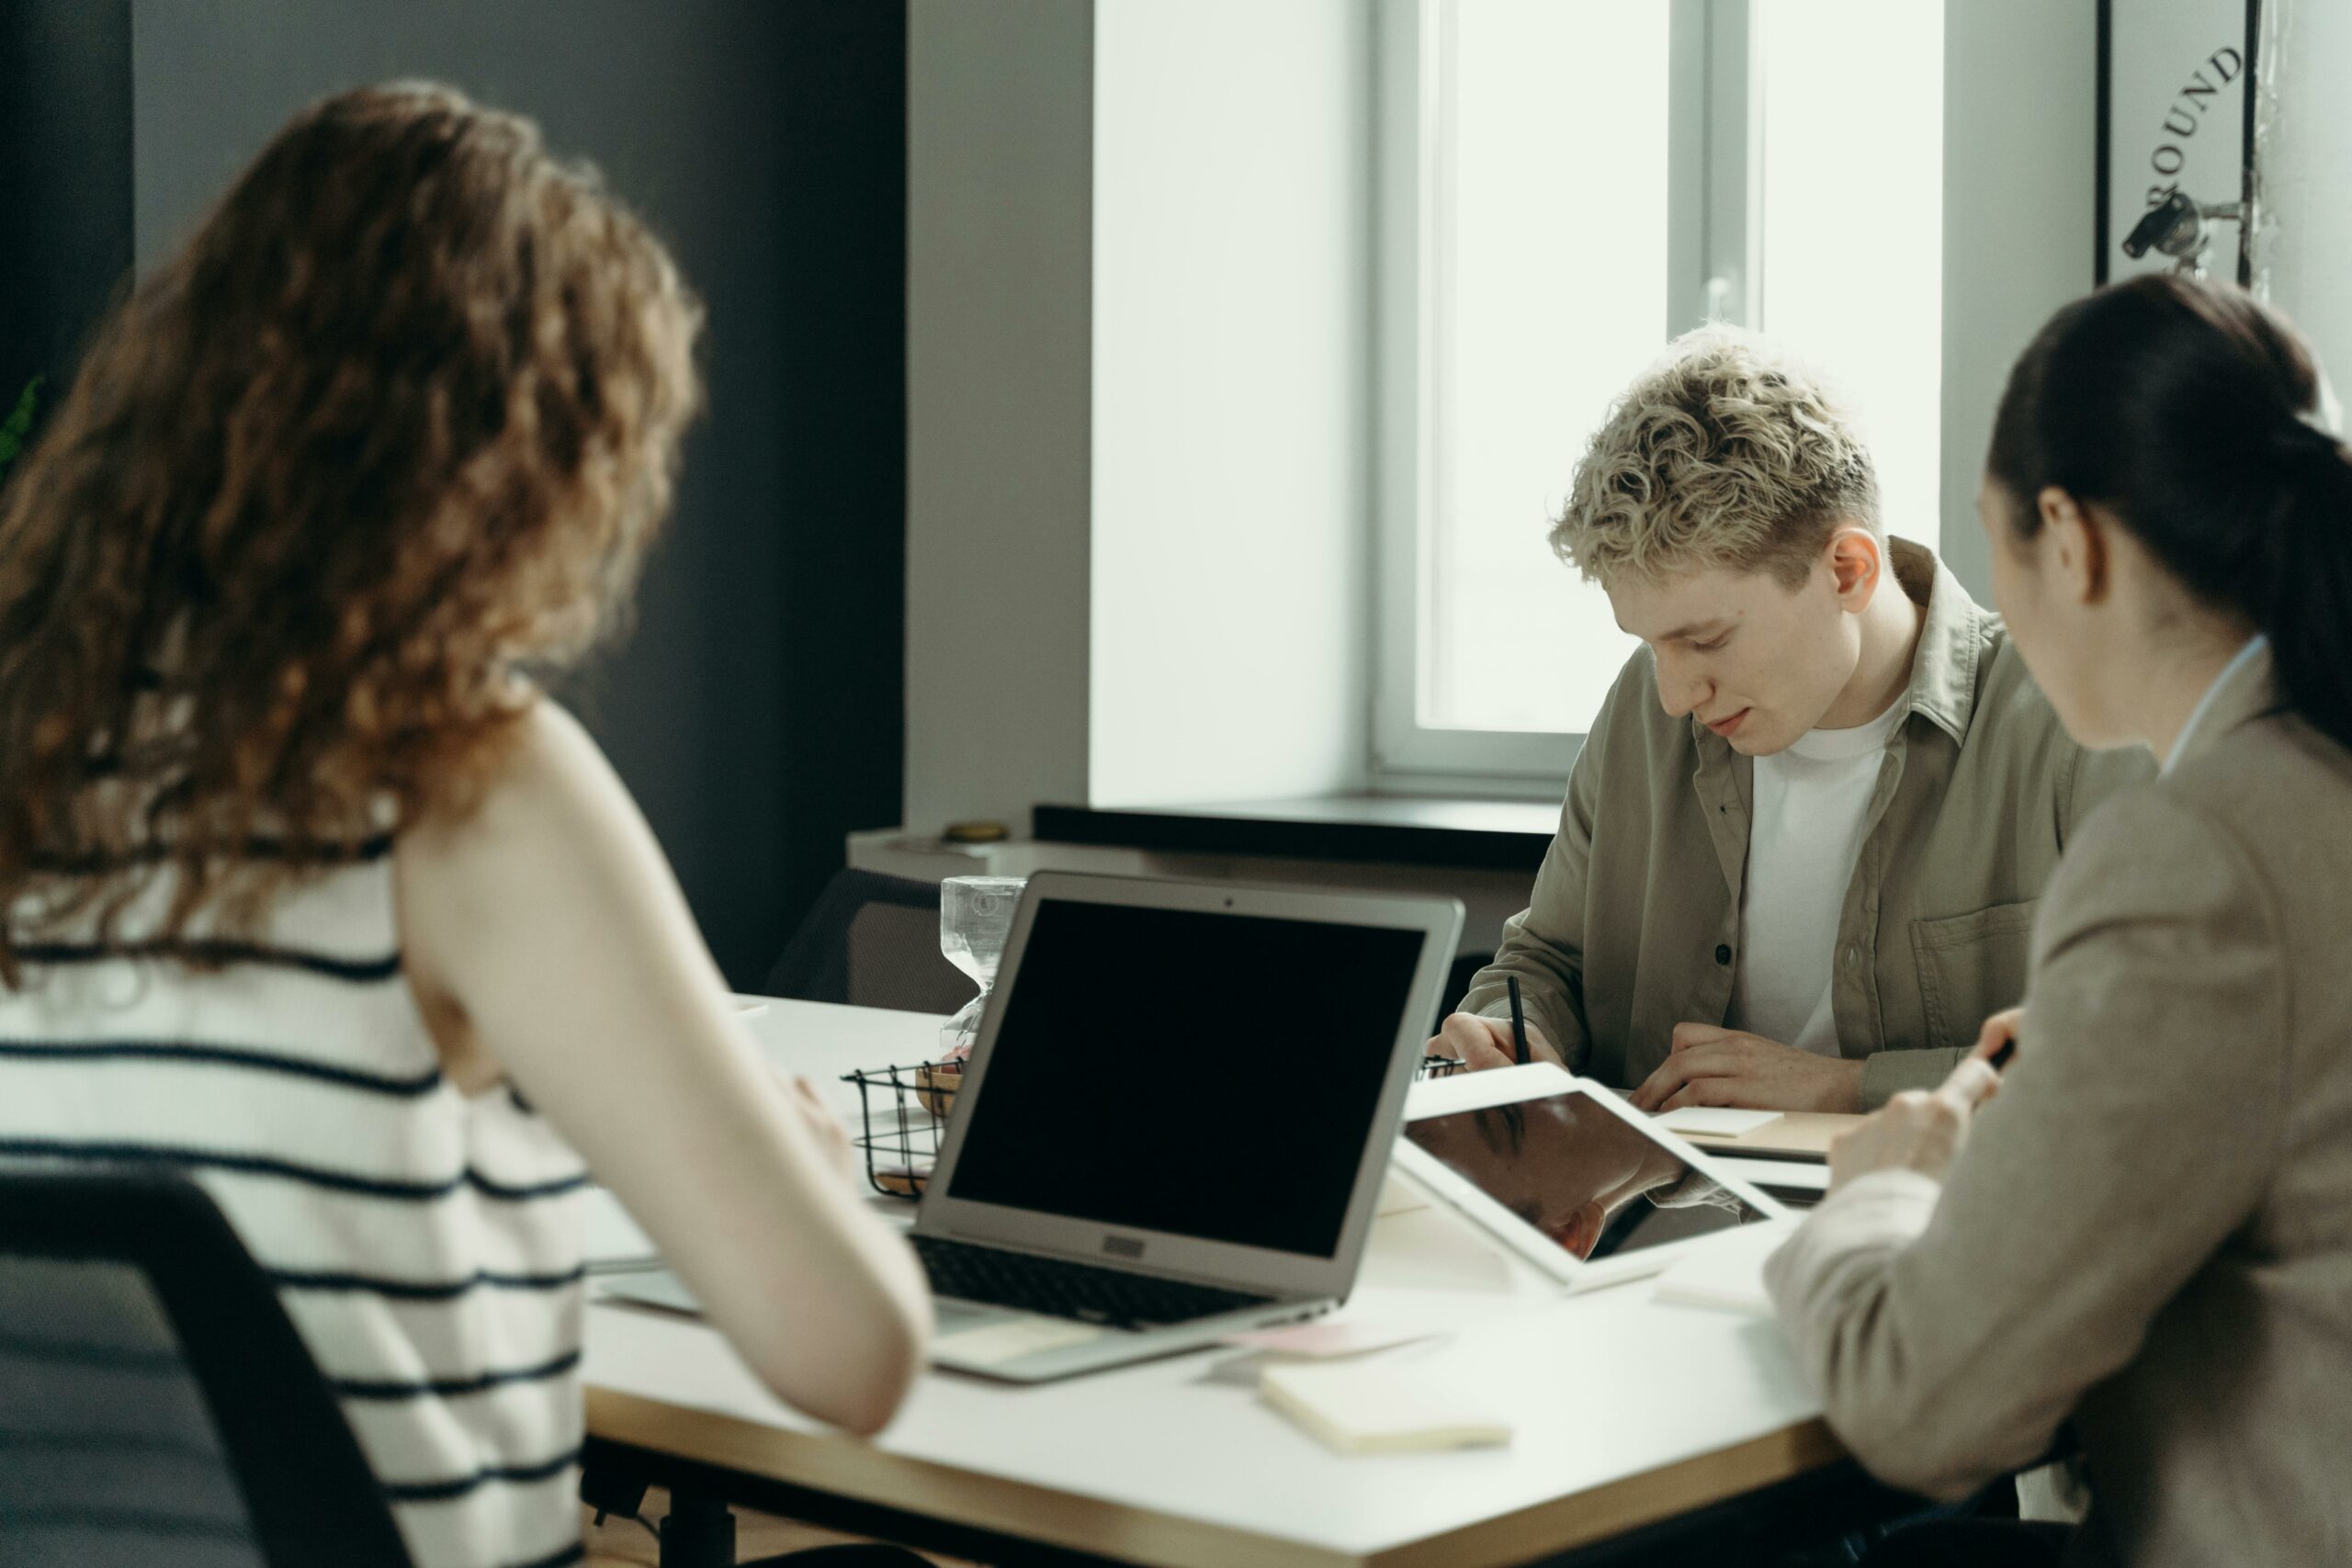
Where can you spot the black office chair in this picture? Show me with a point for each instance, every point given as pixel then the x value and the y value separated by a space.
pixel 157 1406
pixel 871 940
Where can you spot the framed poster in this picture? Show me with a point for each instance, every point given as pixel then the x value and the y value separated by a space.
pixel 2175 134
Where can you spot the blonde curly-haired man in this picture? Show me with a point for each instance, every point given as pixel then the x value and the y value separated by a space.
pixel 1802 846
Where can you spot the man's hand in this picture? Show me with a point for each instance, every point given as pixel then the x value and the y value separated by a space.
pixel 1723 1066
pixel 1484 1043
pixel 1916 1129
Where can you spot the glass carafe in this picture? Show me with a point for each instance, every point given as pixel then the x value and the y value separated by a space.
pixel 975 917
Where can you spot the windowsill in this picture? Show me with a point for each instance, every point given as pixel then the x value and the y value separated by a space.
pixel 1496 835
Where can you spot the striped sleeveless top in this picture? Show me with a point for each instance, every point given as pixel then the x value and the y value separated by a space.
pixel 426 1246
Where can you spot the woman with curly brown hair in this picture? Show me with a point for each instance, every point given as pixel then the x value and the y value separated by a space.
pixel 311 892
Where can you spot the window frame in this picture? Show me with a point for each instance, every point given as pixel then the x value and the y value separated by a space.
pixel 1714 225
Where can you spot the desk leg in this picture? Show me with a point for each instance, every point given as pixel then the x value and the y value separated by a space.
pixel 692 1477
pixel 698 1532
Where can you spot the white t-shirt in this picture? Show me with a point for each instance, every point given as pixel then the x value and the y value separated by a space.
pixel 1801 845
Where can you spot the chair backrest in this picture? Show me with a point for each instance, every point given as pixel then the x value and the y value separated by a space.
pixel 872 941
pixel 156 1404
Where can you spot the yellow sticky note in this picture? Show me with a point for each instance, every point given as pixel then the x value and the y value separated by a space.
pixel 1358 1408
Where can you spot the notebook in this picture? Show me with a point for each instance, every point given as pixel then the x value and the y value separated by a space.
pixel 1379 1408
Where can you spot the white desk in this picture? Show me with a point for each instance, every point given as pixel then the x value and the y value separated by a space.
pixel 1626 1411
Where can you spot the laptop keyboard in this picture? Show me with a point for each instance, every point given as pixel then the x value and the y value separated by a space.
pixel 1059 1289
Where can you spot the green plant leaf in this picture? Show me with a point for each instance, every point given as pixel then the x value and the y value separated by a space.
pixel 20 423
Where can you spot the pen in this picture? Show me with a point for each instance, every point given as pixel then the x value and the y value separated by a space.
pixel 1518 1021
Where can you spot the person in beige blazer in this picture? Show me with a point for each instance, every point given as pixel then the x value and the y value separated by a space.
pixel 2135 1246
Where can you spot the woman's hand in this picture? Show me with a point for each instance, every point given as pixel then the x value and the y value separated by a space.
pixel 2000 1029
pixel 825 1129
pixel 1916 1130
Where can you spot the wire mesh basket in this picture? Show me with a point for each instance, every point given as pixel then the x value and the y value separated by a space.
pixel 903 1111
pixel 902 1115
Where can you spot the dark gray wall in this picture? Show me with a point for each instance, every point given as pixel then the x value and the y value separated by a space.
pixel 64 180
pixel 755 709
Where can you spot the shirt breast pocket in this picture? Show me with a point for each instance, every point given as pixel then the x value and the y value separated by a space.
pixel 1971 966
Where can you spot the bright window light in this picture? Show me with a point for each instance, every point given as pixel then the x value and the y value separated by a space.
pixel 1549 292
pixel 1546 284
pixel 1853 223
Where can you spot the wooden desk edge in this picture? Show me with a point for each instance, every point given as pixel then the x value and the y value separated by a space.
pixel 1584 1518
pixel 1024 1509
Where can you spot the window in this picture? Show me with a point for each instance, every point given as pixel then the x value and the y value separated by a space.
pixel 1563 188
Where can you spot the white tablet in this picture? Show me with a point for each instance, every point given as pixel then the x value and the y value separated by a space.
pixel 1569 1177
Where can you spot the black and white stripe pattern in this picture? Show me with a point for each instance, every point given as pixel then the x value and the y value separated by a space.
pixel 425 1245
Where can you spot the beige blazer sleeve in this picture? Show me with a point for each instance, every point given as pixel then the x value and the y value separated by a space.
pixel 1950 1335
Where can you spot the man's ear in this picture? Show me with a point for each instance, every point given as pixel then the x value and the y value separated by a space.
pixel 1581 1232
pixel 2080 551
pixel 1857 560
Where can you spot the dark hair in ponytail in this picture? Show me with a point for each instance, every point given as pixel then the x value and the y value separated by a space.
pixel 2179 406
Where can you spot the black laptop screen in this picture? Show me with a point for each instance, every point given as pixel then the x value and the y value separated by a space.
pixel 1203 1074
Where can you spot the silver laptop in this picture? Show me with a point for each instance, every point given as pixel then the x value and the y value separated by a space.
pixel 1177 1119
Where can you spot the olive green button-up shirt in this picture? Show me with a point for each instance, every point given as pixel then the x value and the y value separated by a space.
pixel 1633 924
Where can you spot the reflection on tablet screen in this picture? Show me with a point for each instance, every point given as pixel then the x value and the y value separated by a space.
pixel 1581 1175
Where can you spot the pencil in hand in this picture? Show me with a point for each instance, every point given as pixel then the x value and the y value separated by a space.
pixel 1517 1022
